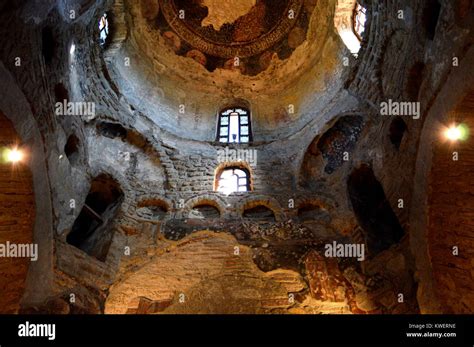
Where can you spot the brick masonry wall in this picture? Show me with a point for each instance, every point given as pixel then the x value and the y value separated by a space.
pixel 172 168
pixel 451 218
pixel 17 215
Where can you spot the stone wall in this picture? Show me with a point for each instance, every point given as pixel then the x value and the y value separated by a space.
pixel 17 215
pixel 165 162
pixel 450 219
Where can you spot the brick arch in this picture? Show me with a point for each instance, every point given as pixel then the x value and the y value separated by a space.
pixel 240 164
pixel 17 211
pixel 205 199
pixel 450 210
pixel 154 201
pixel 261 200
pixel 129 193
pixel 326 149
pixel 440 189
pixel 15 107
pixel 93 229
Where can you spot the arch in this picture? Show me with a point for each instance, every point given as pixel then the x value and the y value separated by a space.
pixel 430 18
pixel 91 231
pixel 329 147
pixel 372 210
pixel 72 149
pixel 112 130
pixel 203 200
pixel 118 29
pixel 322 202
pixel 260 213
pixel 39 281
pixel 261 201
pixel 61 93
pixel 414 80
pixel 348 23
pixel 358 20
pixel 155 209
pixel 49 44
pixel 397 131
pixel 238 178
pixel 204 210
pixel 450 213
pixel 17 208
pixel 458 84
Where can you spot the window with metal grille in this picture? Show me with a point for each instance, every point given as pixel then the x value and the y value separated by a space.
pixel 103 29
pixel 233 179
pixel 234 126
pixel 360 16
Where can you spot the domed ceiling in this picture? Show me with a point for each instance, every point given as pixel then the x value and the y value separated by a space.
pixel 189 59
pixel 215 33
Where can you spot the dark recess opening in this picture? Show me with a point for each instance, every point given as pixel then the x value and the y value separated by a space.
pixel 112 130
pixel 152 209
pixel 48 44
pixel 261 213
pixel 372 210
pixel 157 210
pixel 61 93
pixel 396 131
pixel 414 80
pixel 71 149
pixel 91 231
pixel 204 211
pixel 431 17
pixel 341 137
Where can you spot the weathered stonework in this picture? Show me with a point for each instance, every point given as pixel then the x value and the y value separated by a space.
pixel 320 139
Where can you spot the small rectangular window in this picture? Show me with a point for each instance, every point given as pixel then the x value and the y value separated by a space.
pixel 234 126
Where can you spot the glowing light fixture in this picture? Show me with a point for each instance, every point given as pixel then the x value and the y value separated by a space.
pixel 14 155
pixel 72 49
pixel 456 132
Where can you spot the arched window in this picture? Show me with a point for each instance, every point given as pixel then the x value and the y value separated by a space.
pixel 349 21
pixel 233 179
pixel 234 126
pixel 360 16
pixel 103 29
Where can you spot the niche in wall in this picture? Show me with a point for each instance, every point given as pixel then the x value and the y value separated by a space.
pixel 71 149
pixel 430 17
pixel 153 209
pixel 341 137
pixel 112 130
pixel 204 211
pixel 414 81
pixel 92 231
pixel 259 213
pixel 61 93
pixel 397 130
pixel 48 42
